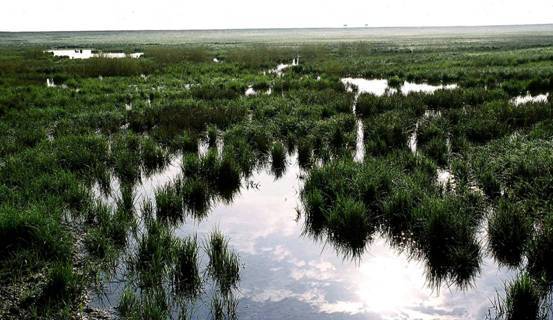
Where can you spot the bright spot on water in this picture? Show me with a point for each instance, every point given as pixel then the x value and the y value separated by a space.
pixel 380 87
pixel 91 53
pixel 529 98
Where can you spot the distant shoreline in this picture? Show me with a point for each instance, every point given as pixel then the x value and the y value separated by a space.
pixel 540 33
pixel 550 25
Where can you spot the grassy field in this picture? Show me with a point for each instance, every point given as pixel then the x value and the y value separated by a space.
pixel 106 120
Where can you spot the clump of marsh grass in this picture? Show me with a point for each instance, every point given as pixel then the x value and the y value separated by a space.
pixel 445 238
pixel 228 177
pixel 110 230
pixel 126 200
pixel 342 196
pixel 540 252
pixel 126 157
pixel 208 177
pixel 242 153
pixel 278 159
pixel 62 286
pixel 154 256
pixel 395 82
pixel 437 150
pixel 128 304
pixel 154 157
pixel 509 229
pixel 224 265
pixel 349 226
pixel 305 152
pixel 212 136
pixel 169 203
pixel 217 308
pixel 196 196
pixel 186 275
pixel 523 301
pixel 398 208
pixel 189 143
pixel 155 305
pixel 386 132
pixel 34 231
pixel 151 304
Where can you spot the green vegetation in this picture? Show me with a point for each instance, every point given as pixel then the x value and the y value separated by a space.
pixel 223 264
pixel 73 158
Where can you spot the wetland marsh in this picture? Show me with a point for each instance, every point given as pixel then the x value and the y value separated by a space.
pixel 376 178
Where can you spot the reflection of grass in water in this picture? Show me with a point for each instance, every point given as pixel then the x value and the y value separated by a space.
pixel 169 203
pixel 196 196
pixel 111 230
pixel 305 152
pixel 212 136
pixel 186 275
pixel 445 238
pixel 278 159
pixel 223 265
pixel 208 177
pixel 540 253
pixel 349 226
pixel 509 229
pixel 344 196
pixel 153 157
pixel 165 270
pixel 228 178
pixel 151 304
pixel 347 202
pixel 223 307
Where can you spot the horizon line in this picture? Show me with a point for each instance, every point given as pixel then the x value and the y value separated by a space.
pixel 345 27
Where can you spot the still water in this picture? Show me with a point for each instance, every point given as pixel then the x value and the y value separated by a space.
pixel 288 275
pixel 91 53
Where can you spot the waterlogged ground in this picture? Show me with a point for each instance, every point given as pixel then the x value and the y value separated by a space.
pixel 377 180
pixel 287 274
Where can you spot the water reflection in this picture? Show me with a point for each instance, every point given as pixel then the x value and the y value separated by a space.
pixel 287 275
pixel 281 67
pixel 91 53
pixel 528 98
pixel 409 87
pixel 380 87
pixel 359 142
pixel 250 91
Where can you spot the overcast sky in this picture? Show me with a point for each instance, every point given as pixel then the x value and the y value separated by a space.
pixel 43 15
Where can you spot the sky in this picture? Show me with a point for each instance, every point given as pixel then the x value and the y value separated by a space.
pixel 72 15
